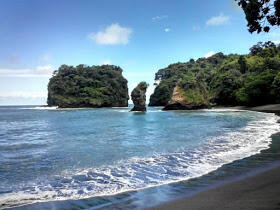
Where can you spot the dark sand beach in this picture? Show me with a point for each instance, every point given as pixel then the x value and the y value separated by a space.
pixel 270 108
pixel 273 108
pixel 260 191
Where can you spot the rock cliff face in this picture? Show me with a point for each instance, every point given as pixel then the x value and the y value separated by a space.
pixel 138 96
pixel 181 101
pixel 85 86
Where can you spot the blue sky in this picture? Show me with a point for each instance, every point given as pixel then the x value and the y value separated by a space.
pixel 141 36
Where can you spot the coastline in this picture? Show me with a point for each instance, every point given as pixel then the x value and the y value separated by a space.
pixel 127 199
pixel 269 108
pixel 258 191
pixel 184 192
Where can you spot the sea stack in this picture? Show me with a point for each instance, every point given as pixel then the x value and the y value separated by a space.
pixel 138 96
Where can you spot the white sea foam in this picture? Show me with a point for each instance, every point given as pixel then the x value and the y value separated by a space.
pixel 140 173
pixel 121 110
pixel 42 108
pixel 148 111
pixel 59 109
pixel 225 110
pixel 121 107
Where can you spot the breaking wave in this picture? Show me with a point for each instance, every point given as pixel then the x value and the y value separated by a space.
pixel 159 169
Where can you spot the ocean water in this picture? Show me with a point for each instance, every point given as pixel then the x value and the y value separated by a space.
pixel 49 154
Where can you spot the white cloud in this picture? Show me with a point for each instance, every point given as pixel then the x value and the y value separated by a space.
pixel 23 94
pixel 167 30
pixel 209 54
pixel 44 70
pixel 159 18
pixel 23 98
pixel 150 91
pixel 276 42
pixel 218 20
pixel 12 72
pixel 39 71
pixel 112 35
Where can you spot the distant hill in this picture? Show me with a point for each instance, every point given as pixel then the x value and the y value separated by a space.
pixel 250 80
pixel 85 86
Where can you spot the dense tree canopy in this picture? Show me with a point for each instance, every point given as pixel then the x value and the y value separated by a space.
pixel 252 79
pixel 261 14
pixel 85 86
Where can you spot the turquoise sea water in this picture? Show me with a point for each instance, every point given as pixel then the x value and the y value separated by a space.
pixel 74 154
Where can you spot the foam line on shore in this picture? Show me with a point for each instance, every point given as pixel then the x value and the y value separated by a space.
pixel 140 173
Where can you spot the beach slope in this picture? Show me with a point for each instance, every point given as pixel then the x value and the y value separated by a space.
pixel 260 191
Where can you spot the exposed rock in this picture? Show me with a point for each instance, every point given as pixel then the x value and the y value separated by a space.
pixel 162 94
pixel 179 102
pixel 138 96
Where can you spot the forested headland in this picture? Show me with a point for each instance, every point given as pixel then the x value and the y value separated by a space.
pixel 250 80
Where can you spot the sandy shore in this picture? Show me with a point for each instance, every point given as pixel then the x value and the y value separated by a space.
pixel 270 108
pixel 260 191
pixel 273 108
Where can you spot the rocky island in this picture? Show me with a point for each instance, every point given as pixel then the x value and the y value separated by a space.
pixel 221 80
pixel 88 86
pixel 138 96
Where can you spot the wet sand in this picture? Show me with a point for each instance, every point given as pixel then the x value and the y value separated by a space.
pixel 270 108
pixel 260 191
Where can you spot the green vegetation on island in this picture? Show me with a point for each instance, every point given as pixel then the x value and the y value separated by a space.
pixel 85 86
pixel 249 80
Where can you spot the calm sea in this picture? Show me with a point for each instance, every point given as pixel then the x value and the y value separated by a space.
pixel 97 158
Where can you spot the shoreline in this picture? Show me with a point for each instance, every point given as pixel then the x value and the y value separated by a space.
pixel 258 191
pixel 77 201
pixel 269 108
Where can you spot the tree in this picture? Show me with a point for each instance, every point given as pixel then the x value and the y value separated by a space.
pixel 243 64
pixel 257 48
pixel 257 89
pixel 261 14
pixel 276 88
pixel 192 61
pixel 224 86
pixel 85 86
pixel 269 44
